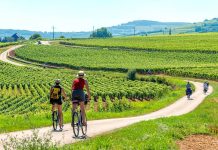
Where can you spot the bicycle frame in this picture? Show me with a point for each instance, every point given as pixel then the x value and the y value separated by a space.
pixel 55 112
pixel 77 122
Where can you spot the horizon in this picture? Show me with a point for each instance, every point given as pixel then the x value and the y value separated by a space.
pixel 99 27
pixel 71 16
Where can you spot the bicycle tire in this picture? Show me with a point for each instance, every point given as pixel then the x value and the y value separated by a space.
pixel 84 128
pixel 75 124
pixel 55 119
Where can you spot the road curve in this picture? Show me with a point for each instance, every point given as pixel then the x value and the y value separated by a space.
pixel 96 127
pixel 4 56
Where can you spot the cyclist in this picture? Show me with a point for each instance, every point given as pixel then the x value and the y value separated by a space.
pixel 206 86
pixel 188 90
pixel 56 93
pixel 78 95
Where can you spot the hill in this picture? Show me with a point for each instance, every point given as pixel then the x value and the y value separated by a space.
pixel 144 27
pixel 200 27
pixel 141 26
pixel 138 27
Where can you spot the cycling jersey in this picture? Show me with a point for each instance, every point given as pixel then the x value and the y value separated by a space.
pixel 78 84
pixel 205 85
pixel 188 86
pixel 56 92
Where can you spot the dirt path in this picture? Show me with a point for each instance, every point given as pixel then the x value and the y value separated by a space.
pixel 44 42
pixel 10 52
pixel 96 127
pixel 4 56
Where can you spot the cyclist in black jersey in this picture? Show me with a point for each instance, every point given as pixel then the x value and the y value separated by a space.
pixel 56 93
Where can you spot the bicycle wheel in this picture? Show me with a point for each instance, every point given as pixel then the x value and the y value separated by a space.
pixel 55 120
pixel 84 128
pixel 75 124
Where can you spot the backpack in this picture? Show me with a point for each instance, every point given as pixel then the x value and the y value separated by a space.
pixel 55 93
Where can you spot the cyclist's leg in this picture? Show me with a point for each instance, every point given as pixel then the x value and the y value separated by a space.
pixel 60 115
pixel 52 108
pixel 52 105
pixel 74 102
pixel 82 108
pixel 74 106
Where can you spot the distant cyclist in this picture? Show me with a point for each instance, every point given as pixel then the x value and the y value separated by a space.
pixel 206 86
pixel 56 93
pixel 188 90
pixel 78 95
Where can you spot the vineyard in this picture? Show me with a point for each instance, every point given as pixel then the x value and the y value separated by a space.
pixel 203 73
pixel 197 42
pixel 7 44
pixel 24 90
pixel 115 60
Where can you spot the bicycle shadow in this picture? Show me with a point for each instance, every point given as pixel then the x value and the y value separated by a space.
pixel 83 137
pixel 59 130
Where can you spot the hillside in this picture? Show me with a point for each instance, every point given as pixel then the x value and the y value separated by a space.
pixel 138 27
pixel 144 26
pixel 141 26
pixel 200 27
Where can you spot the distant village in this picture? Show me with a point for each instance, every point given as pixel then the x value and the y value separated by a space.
pixel 14 38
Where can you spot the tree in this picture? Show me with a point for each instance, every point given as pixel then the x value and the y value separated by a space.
pixel 101 33
pixel 21 38
pixel 36 36
pixel 8 39
pixel 62 37
pixel 198 29
pixel 170 31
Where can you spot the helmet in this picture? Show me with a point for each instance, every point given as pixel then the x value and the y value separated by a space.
pixel 81 74
pixel 57 81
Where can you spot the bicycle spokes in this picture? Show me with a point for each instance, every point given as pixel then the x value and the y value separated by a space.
pixel 75 124
pixel 55 119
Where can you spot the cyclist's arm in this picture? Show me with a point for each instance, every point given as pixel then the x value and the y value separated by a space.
pixel 64 93
pixel 51 90
pixel 87 89
pixel 72 84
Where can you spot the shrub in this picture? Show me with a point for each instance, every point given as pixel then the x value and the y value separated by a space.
pixel 33 142
pixel 131 75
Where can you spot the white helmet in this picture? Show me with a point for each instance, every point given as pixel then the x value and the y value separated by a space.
pixel 57 81
pixel 81 74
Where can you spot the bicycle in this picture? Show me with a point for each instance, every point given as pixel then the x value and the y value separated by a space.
pixel 77 122
pixel 188 93
pixel 205 90
pixel 55 119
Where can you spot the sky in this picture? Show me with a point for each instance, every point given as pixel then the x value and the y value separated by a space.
pixel 82 15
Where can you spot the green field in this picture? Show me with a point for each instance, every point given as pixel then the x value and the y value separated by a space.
pixel 117 60
pixel 203 73
pixel 206 42
pixel 7 44
pixel 24 95
pixel 36 82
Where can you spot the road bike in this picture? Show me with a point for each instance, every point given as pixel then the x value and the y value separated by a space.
pixel 77 121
